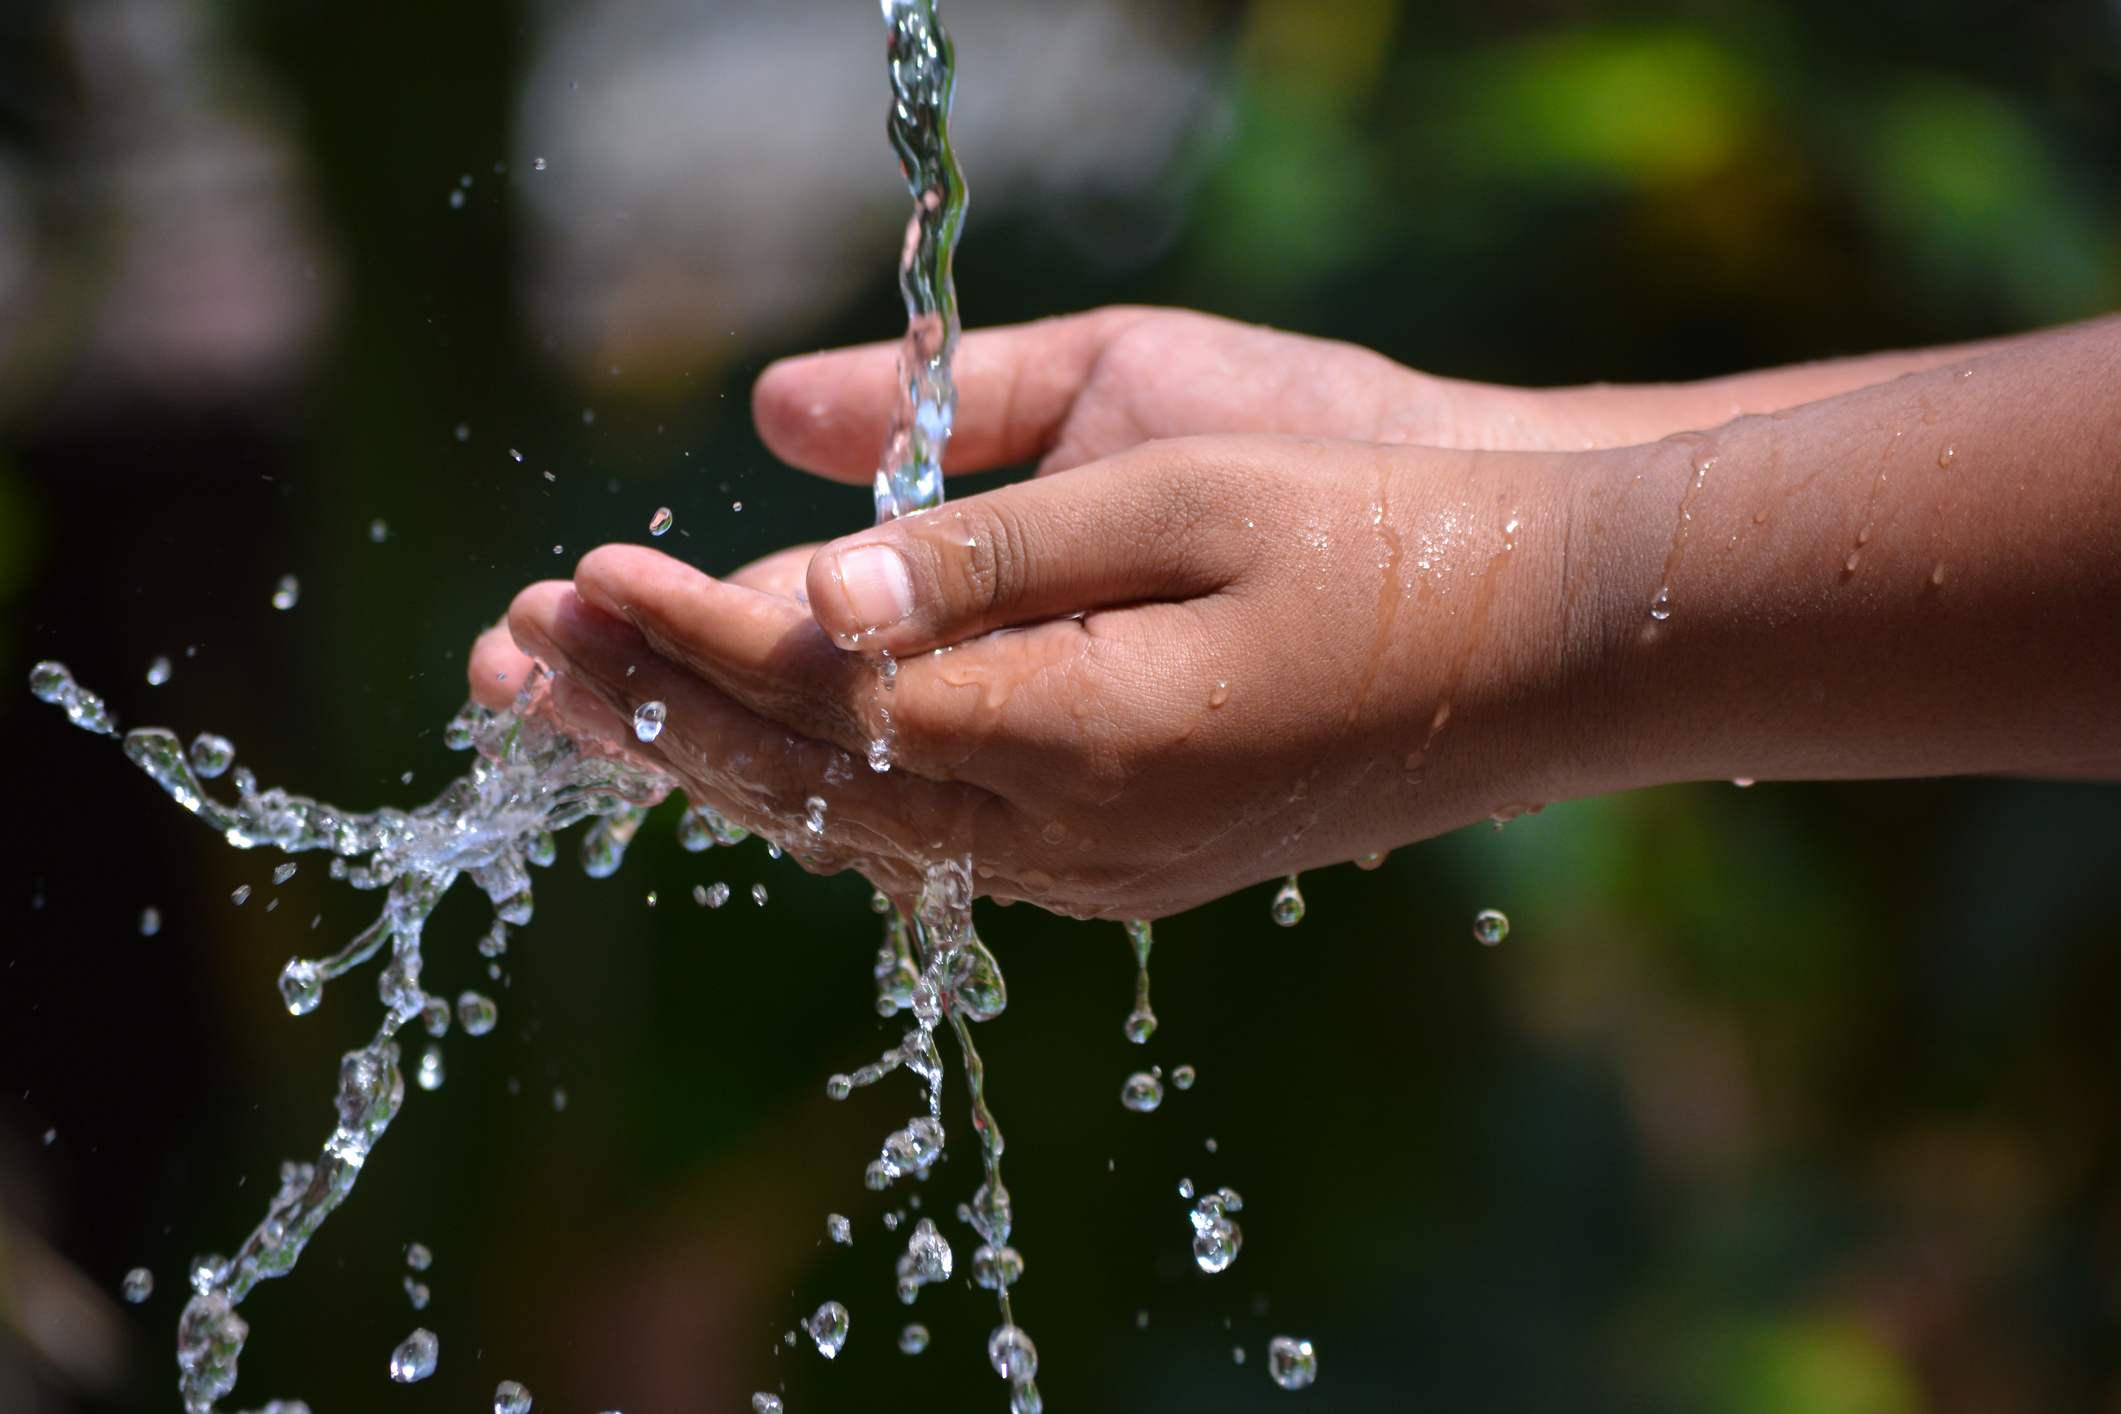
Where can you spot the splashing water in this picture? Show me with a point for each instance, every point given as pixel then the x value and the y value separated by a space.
pixel 531 779
pixel 528 780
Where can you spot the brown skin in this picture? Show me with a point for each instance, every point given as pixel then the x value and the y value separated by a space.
pixel 1290 650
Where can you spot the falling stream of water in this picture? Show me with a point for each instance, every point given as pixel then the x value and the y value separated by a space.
pixel 530 779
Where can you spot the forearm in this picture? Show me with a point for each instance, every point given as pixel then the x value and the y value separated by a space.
pixel 1600 415
pixel 1918 578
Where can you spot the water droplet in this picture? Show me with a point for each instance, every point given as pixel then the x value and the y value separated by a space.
pixel 1937 575
pixel 879 902
pixel 1142 1092
pixel 559 1100
pixel 463 432
pixel 1185 1189
pixel 139 1284
pixel 379 530
pixel 537 164
pixel 150 921
pixel 1944 458
pixel 1292 1363
pixel 661 521
pixel 764 1403
pixel 814 815
pixel 913 1339
pixel 415 1359
pixel 713 896
pixel 828 1327
pixel 418 1257
pixel 1661 604
pixel 241 895
pixel 880 755
pixel 997 1268
pixel 1237 1355
pixel 736 505
pixel 648 720
pixel 838 1228
pixel 510 1398
pixel 839 1087
pixel 1216 1239
pixel 283 872
pixel 417 1293
pixel 1288 903
pixel 1855 558
pixel 1220 695
pixel 158 672
pixel 1742 782
pixel 211 755
pixel 456 199
pixel 1183 1077
pixel 1012 1354
pixel 1139 1026
pixel 476 1014
pixel 1209 1143
pixel 1490 926
pixel 758 894
pixel 432 1072
pixel 287 593
pixel 651 898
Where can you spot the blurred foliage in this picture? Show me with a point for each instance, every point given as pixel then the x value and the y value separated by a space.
pixel 1802 1098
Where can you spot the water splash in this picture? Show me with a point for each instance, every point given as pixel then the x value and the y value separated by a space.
pixel 529 779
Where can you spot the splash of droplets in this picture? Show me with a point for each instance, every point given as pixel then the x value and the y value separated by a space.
pixel 1289 903
pixel 1141 1022
pixel 415 1359
pixel 828 1327
pixel 1216 1239
pixel 1490 926
pixel 1291 1362
pixel 529 779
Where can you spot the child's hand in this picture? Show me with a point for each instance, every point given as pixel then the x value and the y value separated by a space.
pixel 1271 639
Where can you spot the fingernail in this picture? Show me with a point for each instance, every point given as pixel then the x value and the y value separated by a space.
pixel 879 591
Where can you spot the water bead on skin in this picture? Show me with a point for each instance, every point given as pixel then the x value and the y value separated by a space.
pixel 648 720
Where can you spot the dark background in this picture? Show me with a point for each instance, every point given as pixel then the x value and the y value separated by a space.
pixel 1798 1098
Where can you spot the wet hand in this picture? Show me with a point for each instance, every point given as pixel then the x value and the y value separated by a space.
pixel 1123 692
pixel 1065 392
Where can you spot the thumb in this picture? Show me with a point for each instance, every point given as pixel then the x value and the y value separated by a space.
pixel 1111 533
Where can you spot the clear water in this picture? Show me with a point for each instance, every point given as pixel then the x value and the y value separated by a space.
pixel 529 780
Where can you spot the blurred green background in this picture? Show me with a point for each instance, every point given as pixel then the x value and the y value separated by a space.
pixel 1800 1098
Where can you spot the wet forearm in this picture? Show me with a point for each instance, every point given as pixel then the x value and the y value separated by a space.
pixel 1918 578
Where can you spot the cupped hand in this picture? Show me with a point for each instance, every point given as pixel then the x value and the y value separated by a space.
pixel 1068 391
pixel 1122 692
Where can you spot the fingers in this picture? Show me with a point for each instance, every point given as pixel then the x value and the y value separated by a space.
pixel 764 650
pixel 1154 524
pixel 498 669
pixel 758 771
pixel 829 413
pixel 780 573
